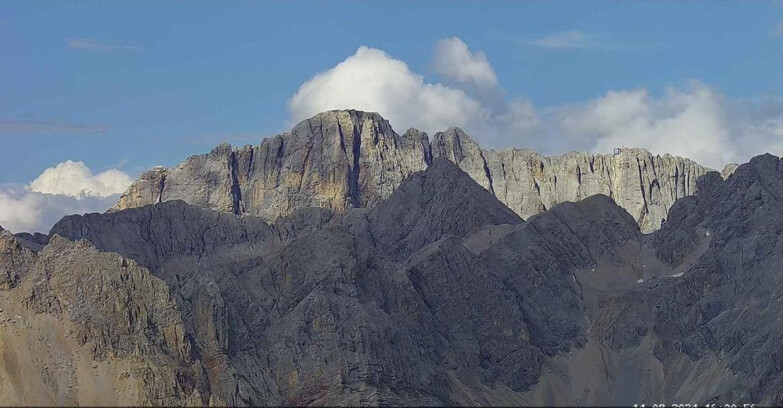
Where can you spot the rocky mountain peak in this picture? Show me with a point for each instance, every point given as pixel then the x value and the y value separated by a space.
pixel 347 115
pixel 442 200
pixel 437 295
pixel 343 159
pixel 456 145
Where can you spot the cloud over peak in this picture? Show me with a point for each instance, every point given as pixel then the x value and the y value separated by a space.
pixel 686 122
pixel 371 80
pixel 693 121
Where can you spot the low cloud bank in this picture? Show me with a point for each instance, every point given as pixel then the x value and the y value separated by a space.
pixel 67 188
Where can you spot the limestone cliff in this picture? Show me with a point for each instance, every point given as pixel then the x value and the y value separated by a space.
pixel 342 159
pixel 335 160
pixel 644 184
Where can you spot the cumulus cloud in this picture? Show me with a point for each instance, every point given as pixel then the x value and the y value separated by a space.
pixel 690 122
pixel 25 211
pixel 74 179
pixel 453 59
pixel 67 188
pixel 371 80
pixel 693 121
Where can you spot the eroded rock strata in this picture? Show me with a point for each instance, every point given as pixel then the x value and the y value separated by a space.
pixel 349 159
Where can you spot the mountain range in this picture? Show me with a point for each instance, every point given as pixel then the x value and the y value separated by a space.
pixel 343 264
pixel 352 159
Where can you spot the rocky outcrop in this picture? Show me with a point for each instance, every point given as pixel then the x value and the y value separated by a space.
pixel 335 160
pixel 35 241
pixel 430 205
pixel 15 260
pixel 86 327
pixel 728 170
pixel 725 242
pixel 644 184
pixel 262 301
pixel 344 159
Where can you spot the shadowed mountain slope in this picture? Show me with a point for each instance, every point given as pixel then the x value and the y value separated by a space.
pixel 438 295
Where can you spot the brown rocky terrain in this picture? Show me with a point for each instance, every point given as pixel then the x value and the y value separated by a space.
pixel 85 327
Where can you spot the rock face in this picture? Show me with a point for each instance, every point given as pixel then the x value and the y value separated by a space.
pixel 350 159
pixel 728 170
pixel 14 260
pixel 382 306
pixel 84 327
pixel 438 295
pixel 441 201
pixel 643 184
pixel 335 160
pixel 727 244
pixel 35 241
pixel 305 308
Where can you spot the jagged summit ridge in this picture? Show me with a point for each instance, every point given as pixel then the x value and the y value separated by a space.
pixel 335 160
pixel 346 158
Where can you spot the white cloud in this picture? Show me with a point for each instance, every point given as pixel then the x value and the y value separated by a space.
pixel 693 121
pixel 688 123
pixel 18 212
pixel 25 211
pixel 371 80
pixel 68 188
pixel 74 179
pixel 86 44
pixel 569 40
pixel 453 59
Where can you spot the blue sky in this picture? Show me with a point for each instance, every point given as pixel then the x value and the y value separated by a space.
pixel 133 84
